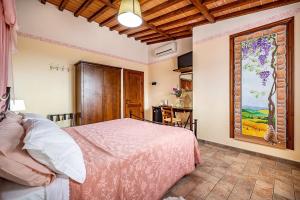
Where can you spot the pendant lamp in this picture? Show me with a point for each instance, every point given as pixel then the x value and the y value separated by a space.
pixel 130 13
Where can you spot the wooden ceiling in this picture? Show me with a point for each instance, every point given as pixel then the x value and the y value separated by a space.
pixel 165 20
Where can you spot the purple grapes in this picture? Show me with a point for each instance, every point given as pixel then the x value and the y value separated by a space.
pixel 264 76
pixel 262 45
pixel 262 59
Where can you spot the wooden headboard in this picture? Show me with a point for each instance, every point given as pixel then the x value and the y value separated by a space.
pixel 2 114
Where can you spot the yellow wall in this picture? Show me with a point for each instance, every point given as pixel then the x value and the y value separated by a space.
pixel 162 73
pixel 211 95
pixel 46 91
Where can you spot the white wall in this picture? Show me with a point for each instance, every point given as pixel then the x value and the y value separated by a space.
pixel 48 22
pixel 48 91
pixel 47 37
pixel 211 78
pixel 161 71
pixel 183 46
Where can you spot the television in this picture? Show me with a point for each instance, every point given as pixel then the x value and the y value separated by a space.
pixel 185 60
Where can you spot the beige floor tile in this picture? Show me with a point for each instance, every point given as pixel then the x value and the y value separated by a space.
pixel 221 191
pixel 201 190
pixel 284 190
pixel 205 176
pixel 251 168
pixel 183 187
pixel 237 167
pixel 283 166
pixel 218 172
pixel 297 195
pixel 228 174
pixel 296 172
pixel 267 171
pixel 243 189
pixel 262 191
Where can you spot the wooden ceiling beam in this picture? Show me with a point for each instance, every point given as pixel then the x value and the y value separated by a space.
pixel 205 2
pixel 128 30
pixel 117 26
pixel 98 13
pixel 166 40
pixel 160 7
pixel 109 4
pixel 155 9
pixel 63 5
pixel 147 36
pixel 172 14
pixel 162 17
pixel 83 6
pixel 142 2
pixel 136 33
pixel 203 9
pixel 108 20
pixel 232 5
pixel 141 33
pixel 154 38
pixel 173 30
pixel 179 21
pixel 178 29
pixel 259 8
pixel 186 20
pixel 246 11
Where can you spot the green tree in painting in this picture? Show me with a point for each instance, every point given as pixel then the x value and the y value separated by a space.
pixel 261 57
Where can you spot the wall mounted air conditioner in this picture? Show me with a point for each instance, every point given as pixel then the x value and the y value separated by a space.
pixel 166 49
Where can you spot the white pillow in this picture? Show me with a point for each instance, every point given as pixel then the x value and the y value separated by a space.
pixel 53 147
pixel 32 116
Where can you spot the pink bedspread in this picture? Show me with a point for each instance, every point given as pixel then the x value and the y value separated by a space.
pixel 128 159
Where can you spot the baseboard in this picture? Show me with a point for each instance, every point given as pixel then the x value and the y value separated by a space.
pixel 282 160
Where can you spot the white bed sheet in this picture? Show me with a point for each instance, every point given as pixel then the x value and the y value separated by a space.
pixel 58 190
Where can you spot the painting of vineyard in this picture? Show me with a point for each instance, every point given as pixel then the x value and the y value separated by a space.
pixel 258 86
pixel 255 122
pixel 261 84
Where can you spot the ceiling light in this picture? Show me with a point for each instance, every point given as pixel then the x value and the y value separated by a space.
pixel 130 13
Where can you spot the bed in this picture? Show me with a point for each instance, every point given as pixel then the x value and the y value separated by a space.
pixel 127 159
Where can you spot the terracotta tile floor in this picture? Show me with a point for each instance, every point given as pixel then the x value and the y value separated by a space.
pixel 229 174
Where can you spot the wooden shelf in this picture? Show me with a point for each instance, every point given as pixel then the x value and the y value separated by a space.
pixel 184 69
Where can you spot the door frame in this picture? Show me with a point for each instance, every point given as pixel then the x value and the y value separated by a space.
pixel 124 91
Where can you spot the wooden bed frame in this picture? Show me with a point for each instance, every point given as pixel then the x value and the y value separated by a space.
pixel 142 119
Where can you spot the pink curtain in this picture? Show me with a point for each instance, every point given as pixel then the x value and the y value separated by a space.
pixel 7 24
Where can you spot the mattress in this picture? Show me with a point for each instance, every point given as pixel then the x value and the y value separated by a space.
pixel 57 190
pixel 132 159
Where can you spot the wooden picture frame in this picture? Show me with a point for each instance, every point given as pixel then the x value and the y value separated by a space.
pixel 236 83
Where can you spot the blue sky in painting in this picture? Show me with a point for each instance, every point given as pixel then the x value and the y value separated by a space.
pixel 251 81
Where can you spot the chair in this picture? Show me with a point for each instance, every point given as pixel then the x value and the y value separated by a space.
pixel 168 116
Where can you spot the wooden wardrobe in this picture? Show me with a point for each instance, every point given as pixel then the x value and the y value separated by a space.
pixel 98 92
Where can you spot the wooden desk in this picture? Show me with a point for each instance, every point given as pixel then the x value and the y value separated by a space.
pixel 182 110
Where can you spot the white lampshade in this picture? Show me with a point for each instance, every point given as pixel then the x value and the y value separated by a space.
pixel 17 105
pixel 130 14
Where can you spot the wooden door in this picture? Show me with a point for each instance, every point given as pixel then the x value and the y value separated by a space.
pixel 133 93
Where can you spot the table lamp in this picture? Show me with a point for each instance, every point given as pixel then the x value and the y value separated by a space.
pixel 17 105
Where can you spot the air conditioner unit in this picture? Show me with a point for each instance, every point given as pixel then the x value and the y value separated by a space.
pixel 166 49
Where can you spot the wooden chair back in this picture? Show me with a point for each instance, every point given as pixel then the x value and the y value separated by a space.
pixel 167 112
